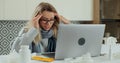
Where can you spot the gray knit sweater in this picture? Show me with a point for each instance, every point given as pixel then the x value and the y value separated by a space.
pixel 27 38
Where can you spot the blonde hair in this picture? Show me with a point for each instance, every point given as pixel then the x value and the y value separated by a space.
pixel 44 6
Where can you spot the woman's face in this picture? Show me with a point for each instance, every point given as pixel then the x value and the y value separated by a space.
pixel 47 20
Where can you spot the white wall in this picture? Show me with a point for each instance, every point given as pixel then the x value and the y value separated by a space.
pixel 1 9
pixel 15 9
pixel 71 9
pixel 74 9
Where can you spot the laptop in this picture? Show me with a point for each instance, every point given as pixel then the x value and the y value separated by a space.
pixel 74 40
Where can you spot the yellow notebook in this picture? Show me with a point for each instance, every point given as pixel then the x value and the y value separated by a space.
pixel 42 59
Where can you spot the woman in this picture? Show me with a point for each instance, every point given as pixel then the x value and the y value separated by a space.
pixel 41 31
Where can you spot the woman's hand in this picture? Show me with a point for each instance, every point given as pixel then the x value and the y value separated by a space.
pixel 63 19
pixel 35 21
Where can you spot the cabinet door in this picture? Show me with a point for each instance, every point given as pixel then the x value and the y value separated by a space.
pixel 110 9
pixel 15 9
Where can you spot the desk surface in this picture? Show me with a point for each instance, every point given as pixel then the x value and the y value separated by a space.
pixel 100 59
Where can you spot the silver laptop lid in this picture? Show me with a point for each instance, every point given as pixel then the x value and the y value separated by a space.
pixel 75 40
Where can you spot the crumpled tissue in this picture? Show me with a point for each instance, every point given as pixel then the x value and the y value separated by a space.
pixel 83 59
pixel 14 57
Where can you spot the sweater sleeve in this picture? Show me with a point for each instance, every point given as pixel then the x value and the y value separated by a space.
pixel 24 38
pixel 28 37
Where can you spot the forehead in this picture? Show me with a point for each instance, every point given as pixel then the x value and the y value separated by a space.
pixel 48 14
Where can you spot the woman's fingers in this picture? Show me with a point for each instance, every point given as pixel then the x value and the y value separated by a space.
pixel 37 17
pixel 62 19
pixel 57 15
pixel 35 21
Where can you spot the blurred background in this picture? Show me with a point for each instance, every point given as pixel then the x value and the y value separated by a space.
pixel 15 13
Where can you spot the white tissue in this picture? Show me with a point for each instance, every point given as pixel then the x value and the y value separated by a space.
pixel 87 58
pixel 14 57
pixel 33 54
pixel 116 55
pixel 83 59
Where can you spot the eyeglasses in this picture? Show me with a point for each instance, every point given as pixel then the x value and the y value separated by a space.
pixel 45 21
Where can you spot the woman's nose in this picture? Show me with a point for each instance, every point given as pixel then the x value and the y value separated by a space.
pixel 48 23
